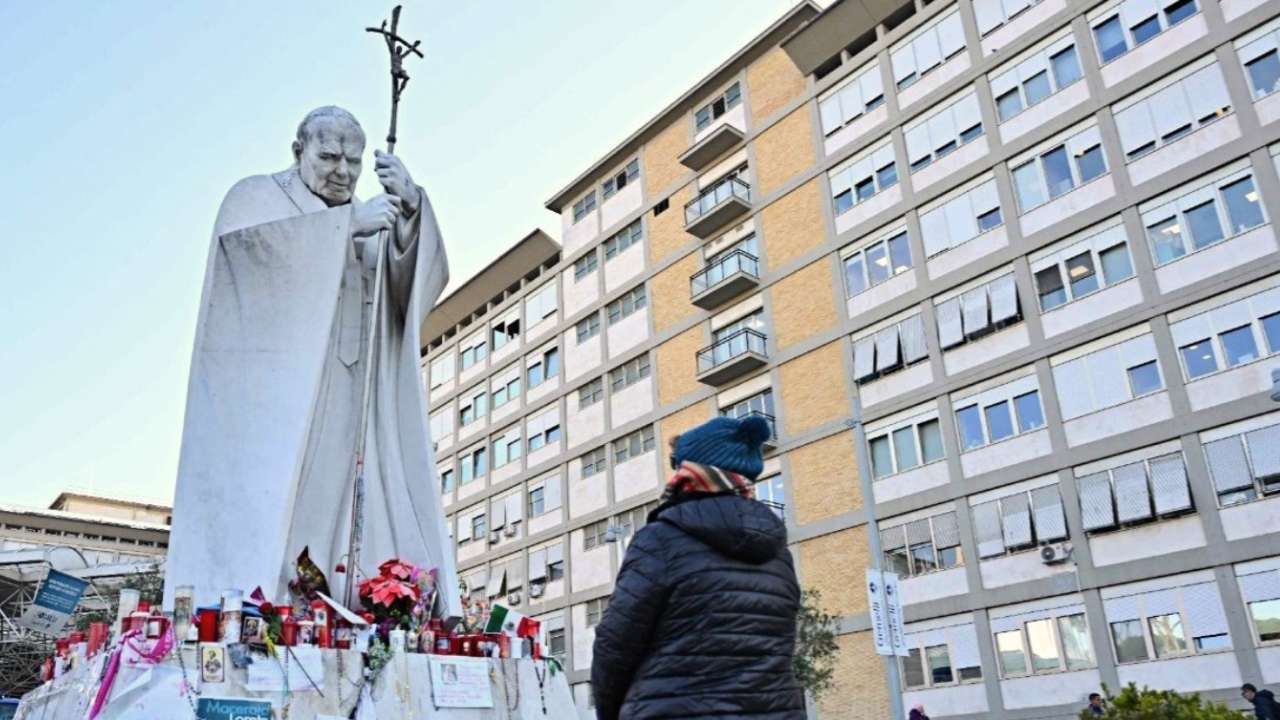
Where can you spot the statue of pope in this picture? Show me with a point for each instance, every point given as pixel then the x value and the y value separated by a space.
pixel 274 396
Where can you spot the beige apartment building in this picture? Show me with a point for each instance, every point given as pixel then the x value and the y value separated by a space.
pixel 1015 259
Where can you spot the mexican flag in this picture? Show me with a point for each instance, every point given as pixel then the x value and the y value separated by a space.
pixel 505 620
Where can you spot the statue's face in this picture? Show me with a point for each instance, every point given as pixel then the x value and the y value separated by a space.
pixel 329 159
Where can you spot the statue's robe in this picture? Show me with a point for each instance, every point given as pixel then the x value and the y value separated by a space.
pixel 273 401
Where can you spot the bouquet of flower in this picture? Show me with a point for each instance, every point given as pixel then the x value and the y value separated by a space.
pixel 401 595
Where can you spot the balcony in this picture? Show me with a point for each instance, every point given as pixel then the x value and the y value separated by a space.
pixel 732 357
pixel 779 509
pixel 729 276
pixel 717 206
pixel 718 142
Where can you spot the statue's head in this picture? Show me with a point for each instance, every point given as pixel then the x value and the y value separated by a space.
pixel 327 149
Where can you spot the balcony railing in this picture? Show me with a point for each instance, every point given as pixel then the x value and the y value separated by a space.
pixel 731 356
pixel 727 277
pixel 779 509
pixel 719 204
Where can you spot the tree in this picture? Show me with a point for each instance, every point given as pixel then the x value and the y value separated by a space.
pixel 1147 704
pixel 816 646
pixel 150 587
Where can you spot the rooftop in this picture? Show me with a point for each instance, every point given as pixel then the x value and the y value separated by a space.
pixel 64 498
pixel 527 255
pixel 823 35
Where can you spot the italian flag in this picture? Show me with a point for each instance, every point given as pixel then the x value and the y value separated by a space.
pixel 505 620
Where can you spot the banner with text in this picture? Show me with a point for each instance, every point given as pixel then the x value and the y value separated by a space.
pixel 884 601
pixel 54 604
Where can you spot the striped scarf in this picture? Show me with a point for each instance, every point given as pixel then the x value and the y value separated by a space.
pixel 695 478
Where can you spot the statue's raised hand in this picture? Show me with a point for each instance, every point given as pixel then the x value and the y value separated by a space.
pixel 395 179
pixel 377 214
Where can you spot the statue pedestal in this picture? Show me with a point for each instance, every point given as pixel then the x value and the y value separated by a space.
pixel 517 690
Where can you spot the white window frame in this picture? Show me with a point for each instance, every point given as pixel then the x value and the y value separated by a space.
pixel 1054 616
pixel 1227 313
pixel 1174 204
pixel 1013 75
pixel 1104 474
pixel 890 528
pixel 1181 91
pixel 853 173
pixel 731 97
pixel 1119 10
pixel 627 175
pixel 590 393
pixel 860 93
pixel 861 250
pixel 967 205
pixel 1251 48
pixel 1036 536
pixel 1007 392
pixel 926 47
pixel 1094 242
pixel 889 431
pixel 944 131
pixel 629 373
pixel 620 241
pixel 634 299
pixel 586 265
pixel 1075 143
pixel 632 445
pixel 584 206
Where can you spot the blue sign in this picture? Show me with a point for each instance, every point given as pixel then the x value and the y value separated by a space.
pixel 233 709
pixel 54 604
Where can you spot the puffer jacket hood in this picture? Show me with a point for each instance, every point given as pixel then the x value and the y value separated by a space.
pixel 735 526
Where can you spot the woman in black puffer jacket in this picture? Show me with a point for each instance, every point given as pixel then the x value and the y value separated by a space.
pixel 702 621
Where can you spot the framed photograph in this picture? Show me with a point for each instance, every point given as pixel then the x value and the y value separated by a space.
pixel 213 663
pixel 254 631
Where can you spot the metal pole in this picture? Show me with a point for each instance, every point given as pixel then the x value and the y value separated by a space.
pixel 877 553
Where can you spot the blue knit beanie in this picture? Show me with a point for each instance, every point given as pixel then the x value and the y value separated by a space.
pixel 727 443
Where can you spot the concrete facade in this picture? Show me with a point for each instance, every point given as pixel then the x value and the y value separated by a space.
pixel 1085 367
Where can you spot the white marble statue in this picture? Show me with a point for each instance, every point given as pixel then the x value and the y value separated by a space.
pixel 274 398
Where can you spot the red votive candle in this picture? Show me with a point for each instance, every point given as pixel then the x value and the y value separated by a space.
pixel 208 625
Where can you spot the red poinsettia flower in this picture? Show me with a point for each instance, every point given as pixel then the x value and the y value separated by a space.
pixel 266 608
pixel 385 591
pixel 397 568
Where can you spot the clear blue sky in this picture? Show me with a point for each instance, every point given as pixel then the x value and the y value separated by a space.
pixel 124 123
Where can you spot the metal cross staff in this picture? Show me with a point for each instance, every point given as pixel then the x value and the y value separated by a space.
pixel 399 48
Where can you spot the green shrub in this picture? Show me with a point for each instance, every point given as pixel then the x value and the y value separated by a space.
pixel 1147 704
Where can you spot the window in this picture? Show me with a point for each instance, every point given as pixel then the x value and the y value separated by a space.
pixel 440 423
pixel 588 327
pixel 555 563
pixel 505 331
pixel 1134 492
pixel 478 528
pixel 546 367
pixel 441 371
pixel 621 240
pixel 978 311
pixel 1136 21
pixel 474 466
pixel 1262 64
pixel 1058 170
pixel 1229 335
pixel 922 546
pixel 727 100
pixel 876 263
pixel 1244 465
pixel 1107 377
pixel 1082 268
pixel 1038 643
pixel 555 642
pixel 927 50
pixel 863 178
pixel 508 390
pixel 1266 619
pixel 474 408
pixel 629 373
pixel 862 93
pixel 943 132
pixel 1172 112
pixel 540 304
pixel 759 404
pixel 1035 79
pixel 543 429
pixel 627 175
pixel 1168 622
pixel 624 306
pixel 916 443
pixel 584 206
pixel 537 502
pixel 591 393
pixel 585 265
pixel 994 13
pixel 889 349
pixel 637 443
pixel 1019 521
pixel 593 462
pixel 595 610
pixel 593 535
pixel 446 481
pixel 507 447
pixel 940 656
pixel 474 351
pixel 960 219
pixel 771 492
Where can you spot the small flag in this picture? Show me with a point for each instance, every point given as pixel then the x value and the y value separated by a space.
pixel 505 620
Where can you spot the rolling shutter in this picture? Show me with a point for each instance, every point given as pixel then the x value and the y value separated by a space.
pixel 1169 484
pixel 1133 498
pixel 1096 509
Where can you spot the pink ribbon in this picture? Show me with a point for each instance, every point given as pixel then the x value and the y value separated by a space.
pixel 150 656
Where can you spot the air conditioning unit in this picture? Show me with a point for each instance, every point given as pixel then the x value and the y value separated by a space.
pixel 513 598
pixel 536 590
pixel 495 536
pixel 510 530
pixel 1055 553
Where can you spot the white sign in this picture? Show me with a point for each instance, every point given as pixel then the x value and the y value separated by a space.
pixel 879 618
pixel 460 682
pixel 305 665
pixel 54 604
pixel 893 612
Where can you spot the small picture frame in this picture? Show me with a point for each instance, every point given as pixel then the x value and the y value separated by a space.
pixel 213 663
pixel 254 631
